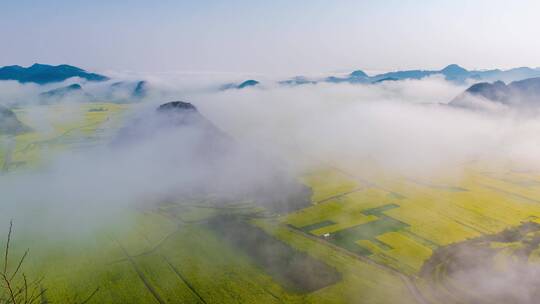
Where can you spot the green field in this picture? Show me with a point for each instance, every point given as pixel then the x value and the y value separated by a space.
pixel 369 240
pixel 89 126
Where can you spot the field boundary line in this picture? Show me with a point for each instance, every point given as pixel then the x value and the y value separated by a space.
pixel 141 275
pixel 358 189
pixel 183 279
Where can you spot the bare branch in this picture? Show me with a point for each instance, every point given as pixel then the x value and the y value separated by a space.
pixel 7 246
pixel 38 295
pixel 25 288
pixel 20 263
pixel 10 289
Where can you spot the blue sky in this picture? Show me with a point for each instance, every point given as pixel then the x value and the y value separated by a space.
pixel 270 36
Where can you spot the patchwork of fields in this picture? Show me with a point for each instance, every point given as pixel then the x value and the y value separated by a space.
pixel 401 222
pixel 173 254
pixel 376 240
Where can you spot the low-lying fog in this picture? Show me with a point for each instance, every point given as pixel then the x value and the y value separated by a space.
pixel 396 127
pixel 279 132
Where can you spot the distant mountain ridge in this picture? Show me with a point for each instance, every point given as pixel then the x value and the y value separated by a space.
pixel 44 74
pixel 456 73
pixel 452 72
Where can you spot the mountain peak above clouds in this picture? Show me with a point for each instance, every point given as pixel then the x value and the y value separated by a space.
pixel 44 73
pixel 239 86
pixel 518 95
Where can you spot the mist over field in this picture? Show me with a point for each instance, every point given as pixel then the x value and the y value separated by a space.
pixel 404 128
pixel 262 140
pixel 278 152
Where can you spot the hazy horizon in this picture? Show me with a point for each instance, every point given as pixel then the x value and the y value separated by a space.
pixel 280 37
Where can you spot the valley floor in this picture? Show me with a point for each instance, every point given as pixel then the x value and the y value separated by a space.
pixel 377 239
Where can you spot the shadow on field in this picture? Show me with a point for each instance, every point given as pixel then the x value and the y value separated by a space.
pixel 295 271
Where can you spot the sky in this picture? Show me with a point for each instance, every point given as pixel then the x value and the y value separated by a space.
pixel 279 37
